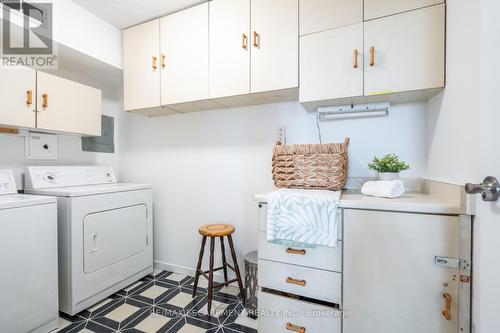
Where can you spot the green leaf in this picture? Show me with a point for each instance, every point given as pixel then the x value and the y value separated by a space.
pixel 388 163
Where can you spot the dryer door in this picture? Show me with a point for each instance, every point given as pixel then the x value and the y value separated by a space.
pixel 114 235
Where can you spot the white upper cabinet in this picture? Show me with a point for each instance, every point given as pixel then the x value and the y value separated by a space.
pixel 18 96
pixel 141 70
pixel 379 8
pixel 67 106
pixel 332 64
pixel 320 15
pixel 275 26
pixel 184 46
pixel 405 52
pixel 229 48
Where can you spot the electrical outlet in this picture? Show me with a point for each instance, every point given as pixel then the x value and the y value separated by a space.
pixel 281 135
pixel 41 146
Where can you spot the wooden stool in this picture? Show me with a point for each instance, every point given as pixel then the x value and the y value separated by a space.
pixel 213 231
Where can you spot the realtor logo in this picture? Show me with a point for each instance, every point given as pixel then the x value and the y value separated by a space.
pixel 26 38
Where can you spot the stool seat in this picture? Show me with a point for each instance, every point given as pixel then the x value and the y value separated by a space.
pixel 216 230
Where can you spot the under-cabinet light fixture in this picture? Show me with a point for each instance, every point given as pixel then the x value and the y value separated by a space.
pixel 354 111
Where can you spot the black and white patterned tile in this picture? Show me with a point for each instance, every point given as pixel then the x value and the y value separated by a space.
pixel 163 303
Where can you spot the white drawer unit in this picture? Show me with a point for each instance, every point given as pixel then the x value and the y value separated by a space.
pixel 308 282
pixel 325 258
pixel 285 315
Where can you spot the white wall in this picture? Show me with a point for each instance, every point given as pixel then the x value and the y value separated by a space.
pixel 453 119
pixel 206 166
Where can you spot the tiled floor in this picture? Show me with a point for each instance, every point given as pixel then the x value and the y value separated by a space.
pixel 162 303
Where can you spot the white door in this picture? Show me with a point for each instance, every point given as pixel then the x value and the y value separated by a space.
pixel 184 43
pixel 405 52
pixel 275 45
pixel 320 15
pixel 391 283
pixel 331 64
pixel 486 289
pixel 229 48
pixel 67 106
pixel 379 8
pixel 141 68
pixel 17 96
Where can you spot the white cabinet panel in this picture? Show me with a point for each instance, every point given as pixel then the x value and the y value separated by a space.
pixel 379 8
pixel 67 106
pixel 278 311
pixel 184 43
pixel 141 80
pixel 408 51
pixel 229 48
pixel 274 45
pixel 319 15
pixel 331 64
pixel 391 283
pixel 16 86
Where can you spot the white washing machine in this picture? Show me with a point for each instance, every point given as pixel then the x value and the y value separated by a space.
pixel 105 231
pixel 28 260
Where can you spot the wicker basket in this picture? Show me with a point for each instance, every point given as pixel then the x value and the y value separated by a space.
pixel 313 166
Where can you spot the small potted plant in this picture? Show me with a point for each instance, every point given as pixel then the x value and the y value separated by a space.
pixel 388 167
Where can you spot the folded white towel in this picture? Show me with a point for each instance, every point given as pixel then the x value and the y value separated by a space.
pixel 302 217
pixel 384 188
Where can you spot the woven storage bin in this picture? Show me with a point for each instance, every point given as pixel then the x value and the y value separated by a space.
pixel 314 166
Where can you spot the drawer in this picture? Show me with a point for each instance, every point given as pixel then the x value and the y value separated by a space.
pixel 278 311
pixel 308 282
pixel 262 219
pixel 327 258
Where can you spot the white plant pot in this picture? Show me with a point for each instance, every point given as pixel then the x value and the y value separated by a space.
pixel 388 175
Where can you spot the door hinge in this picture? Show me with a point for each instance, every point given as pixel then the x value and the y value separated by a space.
pixel 452 262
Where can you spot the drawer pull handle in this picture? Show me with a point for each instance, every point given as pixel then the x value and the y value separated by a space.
pixel 295 251
pixel 295 328
pixel 29 97
pixel 256 39
pixel 153 63
pixel 447 310
pixel 45 101
pixel 162 61
pixel 355 64
pixel 295 281
pixel 244 42
pixel 372 56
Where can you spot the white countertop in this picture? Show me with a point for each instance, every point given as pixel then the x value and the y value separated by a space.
pixel 429 202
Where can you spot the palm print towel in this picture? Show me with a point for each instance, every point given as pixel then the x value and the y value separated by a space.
pixel 306 218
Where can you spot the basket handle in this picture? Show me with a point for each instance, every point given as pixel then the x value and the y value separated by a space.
pixel 346 141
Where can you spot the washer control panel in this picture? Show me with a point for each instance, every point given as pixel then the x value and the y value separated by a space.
pixel 7 182
pixel 40 177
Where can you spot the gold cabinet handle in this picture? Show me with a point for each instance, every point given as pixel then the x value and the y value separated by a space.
pixel 301 283
pixel 301 252
pixel 154 63
pixel 256 39
pixel 244 41
pixel 372 56
pixel 295 328
pixel 45 101
pixel 162 61
pixel 355 64
pixel 447 308
pixel 29 97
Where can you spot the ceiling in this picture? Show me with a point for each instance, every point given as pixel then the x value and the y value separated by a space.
pixel 126 13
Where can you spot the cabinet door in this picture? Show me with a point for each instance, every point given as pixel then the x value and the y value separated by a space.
pixel 320 15
pixel 331 64
pixel 67 106
pixel 17 109
pixel 141 71
pixel 275 48
pixel 184 42
pixel 408 51
pixel 391 283
pixel 379 8
pixel 229 48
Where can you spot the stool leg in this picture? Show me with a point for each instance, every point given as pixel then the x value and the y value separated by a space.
pixel 211 275
pixel 200 260
pixel 224 263
pixel 235 261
